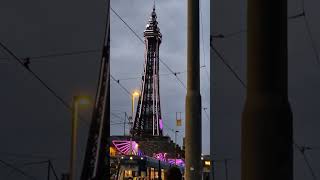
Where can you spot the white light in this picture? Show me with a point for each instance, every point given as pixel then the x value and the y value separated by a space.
pixel 131 157
pixel 141 158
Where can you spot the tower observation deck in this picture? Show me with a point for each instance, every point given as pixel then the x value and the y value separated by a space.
pixel 148 121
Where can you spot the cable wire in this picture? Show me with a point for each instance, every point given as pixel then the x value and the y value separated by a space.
pixel 206 113
pixel 228 65
pixel 204 54
pixel 17 170
pixel 118 82
pixel 59 54
pixel 228 35
pixel 313 43
pixel 302 150
pixel 59 98
pixel 36 76
pixel 141 40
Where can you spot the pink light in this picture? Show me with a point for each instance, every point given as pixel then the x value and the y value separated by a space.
pixel 161 156
pixel 123 146
pixel 161 124
pixel 179 162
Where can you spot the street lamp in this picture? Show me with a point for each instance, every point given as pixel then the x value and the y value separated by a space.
pixel 77 102
pixel 175 147
pixel 133 95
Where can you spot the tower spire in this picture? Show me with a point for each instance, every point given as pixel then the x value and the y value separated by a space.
pixel 148 120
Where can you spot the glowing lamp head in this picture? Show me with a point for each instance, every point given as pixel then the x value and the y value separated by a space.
pixel 207 163
pixel 82 101
pixel 135 94
pixel 131 157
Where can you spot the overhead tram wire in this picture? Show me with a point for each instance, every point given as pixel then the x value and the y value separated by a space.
pixel 303 14
pixel 235 33
pixel 139 77
pixel 308 28
pixel 118 82
pixel 37 77
pixel 302 151
pixel 59 54
pixel 228 35
pixel 19 171
pixel 141 40
pixel 228 65
pixel 206 113
pixel 204 54
pixel 59 98
pixel 313 43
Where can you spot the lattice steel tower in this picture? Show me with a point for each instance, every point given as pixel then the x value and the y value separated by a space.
pixel 148 120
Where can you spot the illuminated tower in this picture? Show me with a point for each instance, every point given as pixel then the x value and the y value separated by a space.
pixel 148 120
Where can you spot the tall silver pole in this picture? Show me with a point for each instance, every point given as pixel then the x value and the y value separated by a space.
pixel 193 97
pixel 267 144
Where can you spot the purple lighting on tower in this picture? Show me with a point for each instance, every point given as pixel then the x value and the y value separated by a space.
pixel 161 124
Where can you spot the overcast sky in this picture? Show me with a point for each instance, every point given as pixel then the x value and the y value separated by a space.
pixel 36 126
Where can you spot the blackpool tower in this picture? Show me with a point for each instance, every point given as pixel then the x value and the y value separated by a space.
pixel 148 121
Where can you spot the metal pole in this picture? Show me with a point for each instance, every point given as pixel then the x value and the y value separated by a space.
pixel 267 142
pixel 175 147
pixel 175 141
pixel 132 106
pixel 193 97
pixel 124 124
pixel 226 167
pixel 73 152
pixel 131 124
pixel 49 168
pixel 212 168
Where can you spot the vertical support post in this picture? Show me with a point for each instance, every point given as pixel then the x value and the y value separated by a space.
pixel 267 150
pixel 193 97
pixel 226 167
pixel 124 124
pixel 212 162
pixel 212 168
pixel 49 168
pixel 175 147
pixel 132 120
pixel 73 151
pixel 159 170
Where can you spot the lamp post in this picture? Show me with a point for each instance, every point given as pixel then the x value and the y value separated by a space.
pixel 175 147
pixel 133 95
pixel 77 102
